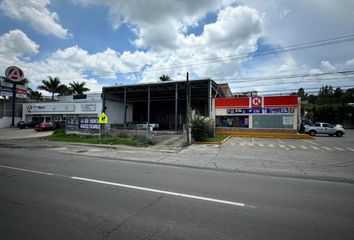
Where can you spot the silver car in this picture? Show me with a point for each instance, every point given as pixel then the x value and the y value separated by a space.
pixel 324 128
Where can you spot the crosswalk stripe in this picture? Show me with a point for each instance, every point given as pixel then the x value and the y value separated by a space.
pixel 292 146
pixel 350 149
pixel 250 144
pixel 242 144
pixel 260 144
pixel 340 149
pixel 271 145
pixel 311 142
pixel 316 148
pixel 303 147
pixel 326 148
pixel 282 146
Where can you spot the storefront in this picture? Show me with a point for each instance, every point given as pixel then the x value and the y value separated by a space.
pixel 80 112
pixel 262 113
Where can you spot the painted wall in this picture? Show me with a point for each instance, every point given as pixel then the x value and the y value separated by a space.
pixel 115 112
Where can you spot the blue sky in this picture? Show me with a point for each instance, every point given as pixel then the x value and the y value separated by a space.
pixel 102 42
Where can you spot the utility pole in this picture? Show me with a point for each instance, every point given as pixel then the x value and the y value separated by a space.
pixel 188 98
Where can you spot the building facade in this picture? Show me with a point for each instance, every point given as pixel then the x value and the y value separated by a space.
pixel 80 112
pixel 277 113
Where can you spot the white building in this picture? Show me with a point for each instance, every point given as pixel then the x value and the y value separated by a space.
pixel 79 111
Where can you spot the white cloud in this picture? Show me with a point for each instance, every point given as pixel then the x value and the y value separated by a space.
pixel 161 27
pixel 35 13
pixel 70 64
pixel 327 66
pixel 350 62
pixel 15 43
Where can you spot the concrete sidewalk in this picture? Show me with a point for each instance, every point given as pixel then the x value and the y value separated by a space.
pixel 277 162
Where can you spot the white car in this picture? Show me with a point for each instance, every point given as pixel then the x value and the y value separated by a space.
pixel 324 128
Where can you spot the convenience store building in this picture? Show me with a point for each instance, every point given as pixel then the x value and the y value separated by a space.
pixel 257 114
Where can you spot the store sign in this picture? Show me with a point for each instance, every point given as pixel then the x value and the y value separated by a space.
pixel 51 108
pixel 6 90
pixel 88 123
pixel 234 111
pixel 88 107
pixel 259 111
pixel 14 73
pixel 256 102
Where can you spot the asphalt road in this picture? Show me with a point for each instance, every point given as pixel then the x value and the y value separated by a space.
pixel 47 195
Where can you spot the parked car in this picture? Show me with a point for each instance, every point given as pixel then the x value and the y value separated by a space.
pixel 324 128
pixel 44 127
pixel 30 124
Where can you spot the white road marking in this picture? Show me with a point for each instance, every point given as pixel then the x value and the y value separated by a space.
pixel 271 145
pixel 242 143
pixel 239 204
pixel 339 149
pixel 261 144
pixel 250 144
pixel 162 192
pixel 282 146
pixel 27 170
pixel 233 144
pixel 280 141
pixel 312 142
pixel 292 146
pixel 350 149
pixel 303 147
pixel 326 148
pixel 316 148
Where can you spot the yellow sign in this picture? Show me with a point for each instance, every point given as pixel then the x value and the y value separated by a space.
pixel 103 118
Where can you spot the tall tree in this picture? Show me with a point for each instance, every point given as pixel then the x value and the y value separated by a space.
pixel 301 92
pixel 78 88
pixel 326 91
pixel 164 78
pixel 338 92
pixel 64 90
pixel 51 85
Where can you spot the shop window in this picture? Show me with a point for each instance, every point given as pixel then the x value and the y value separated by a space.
pixel 234 121
pixel 272 121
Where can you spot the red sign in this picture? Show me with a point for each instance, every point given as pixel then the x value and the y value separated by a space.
pixel 231 102
pixel 14 73
pixel 256 102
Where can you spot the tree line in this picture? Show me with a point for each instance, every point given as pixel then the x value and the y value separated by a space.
pixel 54 86
pixel 329 105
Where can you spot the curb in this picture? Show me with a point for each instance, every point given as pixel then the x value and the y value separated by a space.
pixel 215 142
pixel 267 135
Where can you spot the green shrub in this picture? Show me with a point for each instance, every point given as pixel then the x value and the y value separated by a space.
pixel 201 128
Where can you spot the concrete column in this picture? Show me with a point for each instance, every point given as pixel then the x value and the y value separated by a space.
pixel 176 107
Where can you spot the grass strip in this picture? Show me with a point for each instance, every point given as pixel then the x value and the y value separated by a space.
pixel 60 135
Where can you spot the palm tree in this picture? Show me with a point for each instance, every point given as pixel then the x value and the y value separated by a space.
pixel 164 78
pixel 64 90
pixel 35 95
pixel 78 88
pixel 51 85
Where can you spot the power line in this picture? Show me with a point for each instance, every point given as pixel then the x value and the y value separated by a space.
pixel 305 45
pixel 306 89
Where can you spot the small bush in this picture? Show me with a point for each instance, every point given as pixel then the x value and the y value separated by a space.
pixel 201 128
